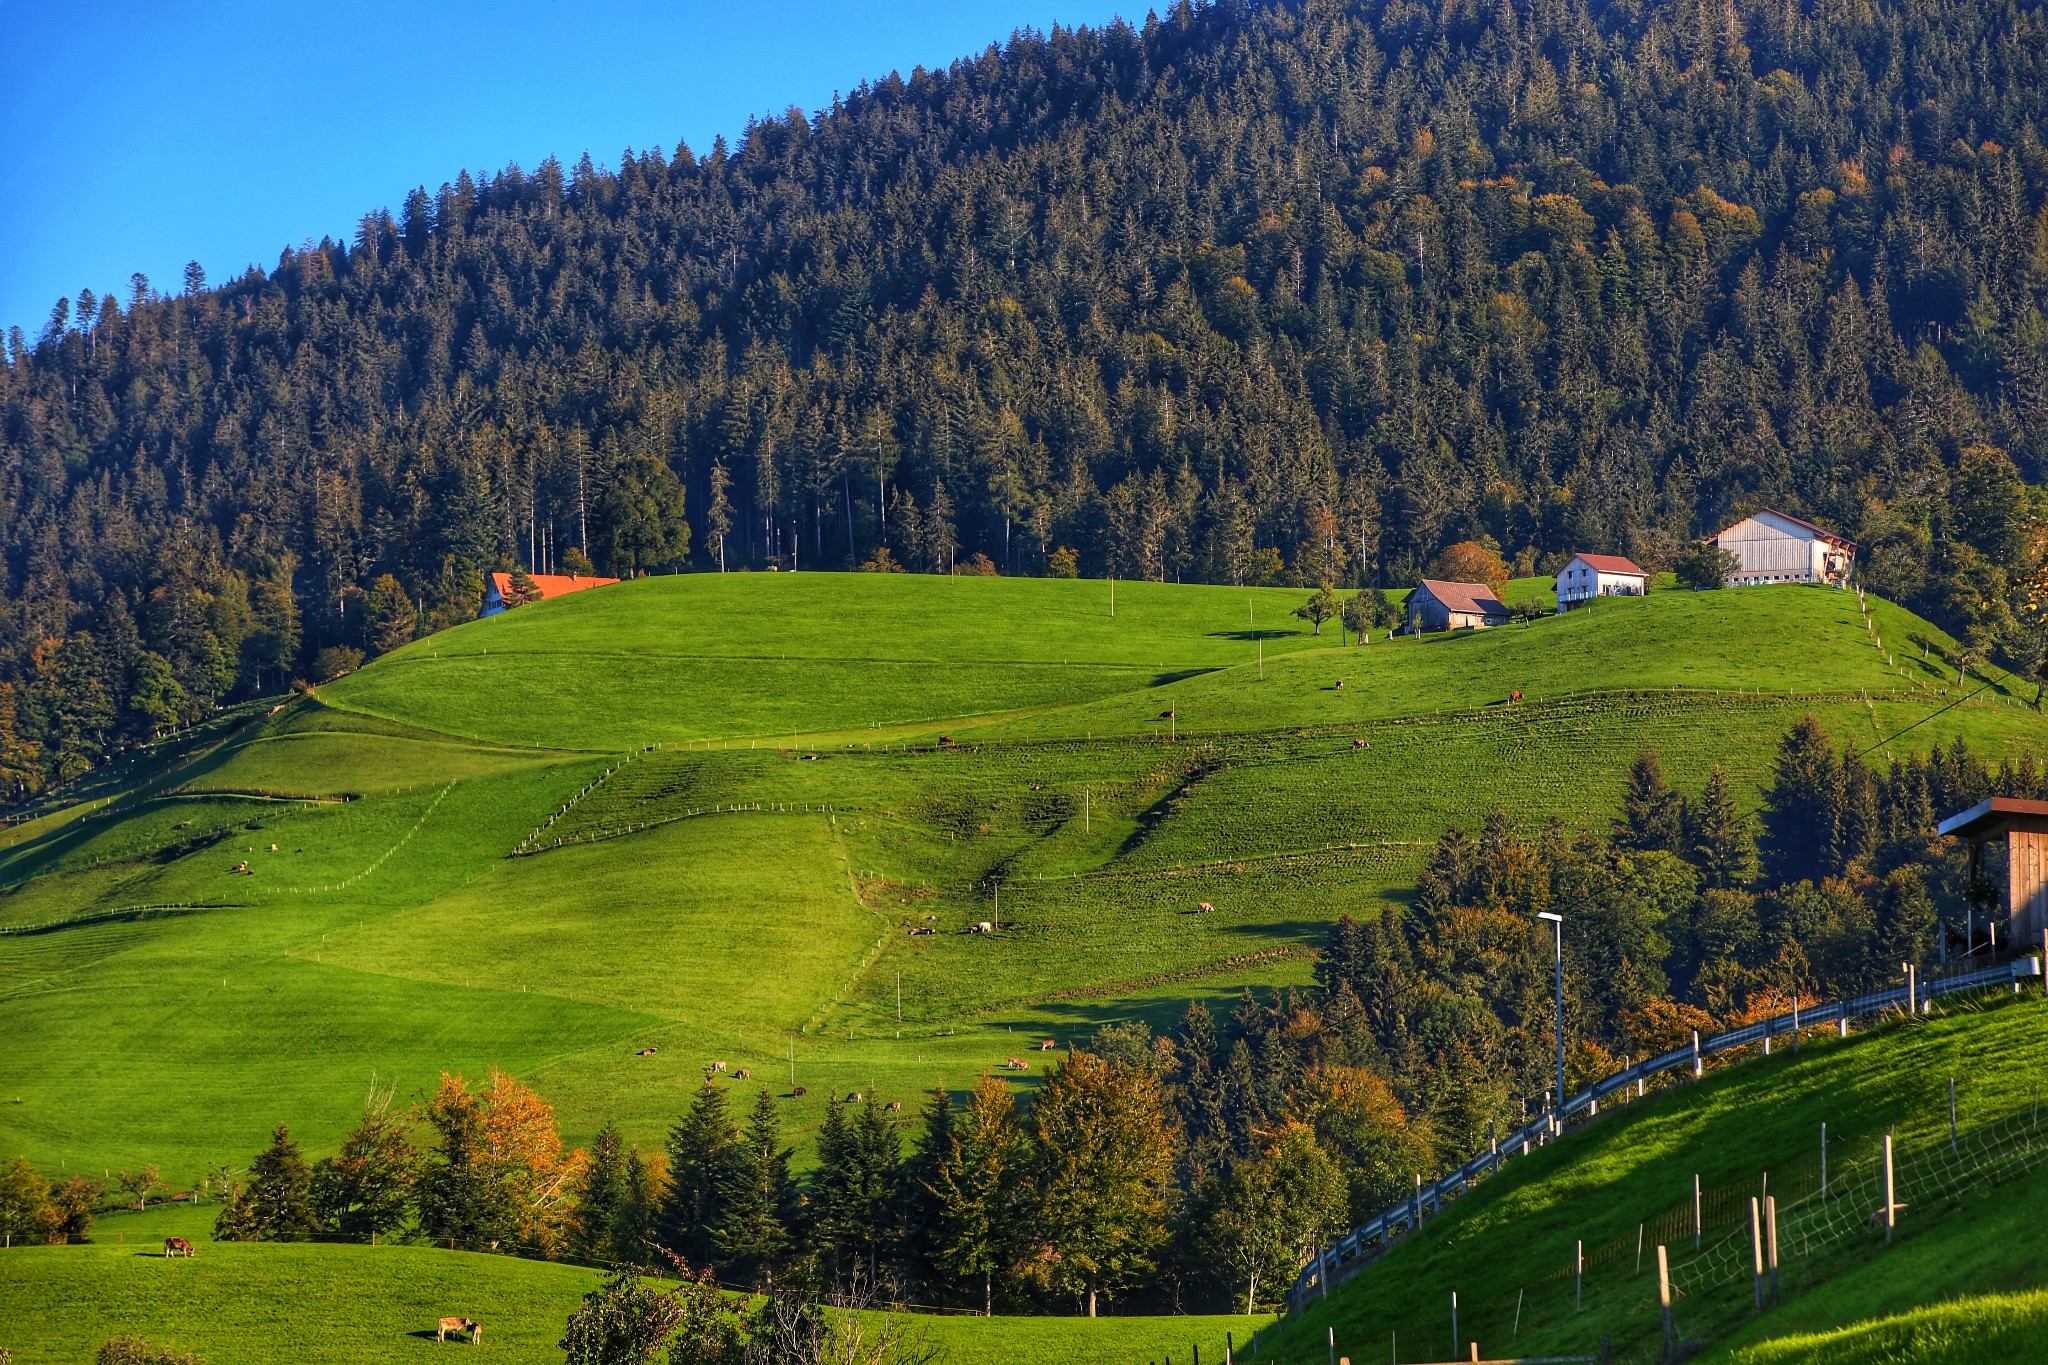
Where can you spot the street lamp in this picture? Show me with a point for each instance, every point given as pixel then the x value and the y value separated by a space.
pixel 1557 921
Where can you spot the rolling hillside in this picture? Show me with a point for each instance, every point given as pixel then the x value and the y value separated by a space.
pixel 1970 1224
pixel 739 894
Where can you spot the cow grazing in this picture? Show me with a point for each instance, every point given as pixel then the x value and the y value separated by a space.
pixel 894 1105
pixel 984 928
pixel 460 1325
pixel 1340 684
pixel 854 1097
pixel 798 1091
pixel 1204 907
pixel 718 1066
pixel 647 1052
pixel 743 1075
pixel 1017 1064
pixel 1047 1046
pixel 176 1246
pixel 1514 696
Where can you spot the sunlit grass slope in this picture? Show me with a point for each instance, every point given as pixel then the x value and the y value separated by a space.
pixel 253 1304
pixel 1508 1249
pixel 751 901
pixel 739 655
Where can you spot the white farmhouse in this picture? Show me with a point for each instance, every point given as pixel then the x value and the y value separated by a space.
pixel 1770 547
pixel 1591 576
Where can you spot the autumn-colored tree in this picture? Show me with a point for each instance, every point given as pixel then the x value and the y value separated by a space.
pixel 499 1174
pixel 1102 1154
pixel 1468 561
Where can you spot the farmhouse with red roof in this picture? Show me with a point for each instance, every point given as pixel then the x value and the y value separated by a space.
pixel 1437 605
pixel 1591 576
pixel 501 595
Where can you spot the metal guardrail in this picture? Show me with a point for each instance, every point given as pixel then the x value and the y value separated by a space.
pixel 1408 1215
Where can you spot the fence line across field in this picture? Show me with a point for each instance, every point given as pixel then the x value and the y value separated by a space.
pixel 1358 1246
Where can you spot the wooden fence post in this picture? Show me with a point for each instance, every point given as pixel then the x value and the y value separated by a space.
pixel 1664 1299
pixel 1454 1322
pixel 1698 1227
pixel 1823 1162
pixel 1579 1277
pixel 1756 1250
pixel 1771 1243
pixel 1952 1116
pixel 1891 1203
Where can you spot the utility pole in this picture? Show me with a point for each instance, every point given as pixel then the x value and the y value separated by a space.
pixel 1557 923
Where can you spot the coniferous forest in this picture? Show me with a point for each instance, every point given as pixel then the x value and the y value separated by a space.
pixel 1253 292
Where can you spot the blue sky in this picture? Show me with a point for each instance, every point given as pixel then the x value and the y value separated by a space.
pixel 140 136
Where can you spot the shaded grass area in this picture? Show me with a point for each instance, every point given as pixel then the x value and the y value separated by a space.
pixel 249 1304
pixel 1509 1249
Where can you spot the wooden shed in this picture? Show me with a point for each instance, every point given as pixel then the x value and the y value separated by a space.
pixel 2024 826
pixel 1438 605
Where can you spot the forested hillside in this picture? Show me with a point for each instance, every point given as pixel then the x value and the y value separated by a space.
pixel 1262 292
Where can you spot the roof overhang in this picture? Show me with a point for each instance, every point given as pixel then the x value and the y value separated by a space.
pixel 1995 816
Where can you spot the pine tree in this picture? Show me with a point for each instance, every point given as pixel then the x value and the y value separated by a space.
pixel 601 1197
pixel 1717 835
pixel 858 1190
pixel 705 1163
pixel 973 1179
pixel 759 1204
pixel 1799 814
pixel 278 1196
pixel 1652 815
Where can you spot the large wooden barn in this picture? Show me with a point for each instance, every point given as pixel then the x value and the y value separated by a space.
pixel 1437 605
pixel 1771 547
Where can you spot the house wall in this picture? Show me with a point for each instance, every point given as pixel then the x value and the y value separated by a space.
pixel 2026 886
pixel 1766 553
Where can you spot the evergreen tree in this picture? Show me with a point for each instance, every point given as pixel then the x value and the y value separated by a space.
pixel 366 1189
pixel 276 1204
pixel 759 1205
pixel 641 529
pixel 388 615
pixel 601 1197
pixel 1718 839
pixel 1652 815
pixel 706 1163
pixel 972 1183
pixel 857 1190
pixel 1799 814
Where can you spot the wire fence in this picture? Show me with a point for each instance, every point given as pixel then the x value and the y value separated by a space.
pixel 1727 1263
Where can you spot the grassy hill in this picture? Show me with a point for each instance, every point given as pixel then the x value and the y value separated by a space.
pixel 1971 1224
pixel 243 1304
pixel 741 895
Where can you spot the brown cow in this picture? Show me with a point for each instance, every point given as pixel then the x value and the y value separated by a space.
pixel 176 1246
pixel 459 1325
pixel 1017 1064
pixel 1047 1046
pixel 743 1075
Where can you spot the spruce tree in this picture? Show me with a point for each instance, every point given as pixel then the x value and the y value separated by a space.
pixel 1652 815
pixel 759 1202
pixel 280 1190
pixel 1799 814
pixel 704 1165
pixel 600 1196
pixel 1718 838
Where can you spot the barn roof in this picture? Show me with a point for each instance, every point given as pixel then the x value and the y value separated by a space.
pixel 1472 597
pixel 1611 564
pixel 551 584
pixel 1820 531
pixel 1995 815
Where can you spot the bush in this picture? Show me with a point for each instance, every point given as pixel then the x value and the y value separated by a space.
pixel 136 1351
pixel 335 660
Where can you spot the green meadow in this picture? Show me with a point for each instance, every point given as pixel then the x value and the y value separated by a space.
pixel 704 815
